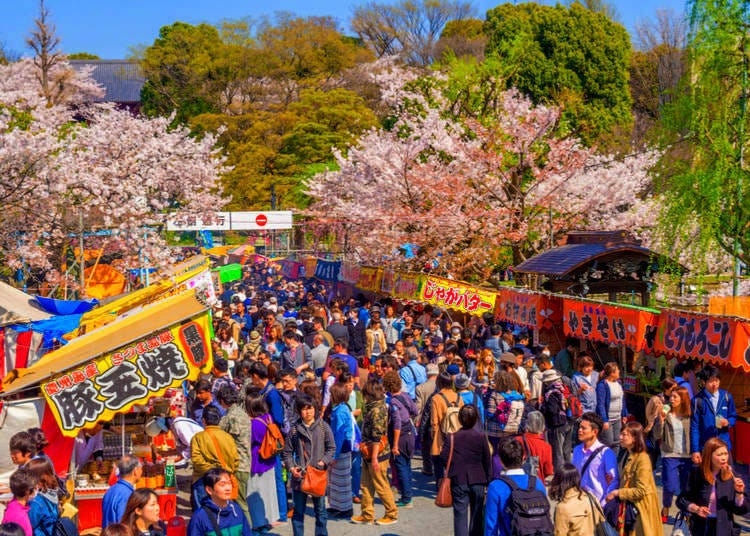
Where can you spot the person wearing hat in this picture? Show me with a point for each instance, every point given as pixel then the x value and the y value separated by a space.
pixel 424 390
pixel 435 352
pixel 253 347
pixel 463 388
pixel 559 424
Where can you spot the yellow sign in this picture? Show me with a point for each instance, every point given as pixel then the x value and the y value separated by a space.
pixel 457 295
pixel 131 375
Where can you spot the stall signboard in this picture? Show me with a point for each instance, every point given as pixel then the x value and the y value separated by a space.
pixel 388 281
pixel 290 269
pixel 609 323
pixel 369 278
pixel 310 264
pixel 130 375
pixel 407 286
pixel 721 340
pixel 525 308
pixel 349 273
pixel 327 270
pixel 457 295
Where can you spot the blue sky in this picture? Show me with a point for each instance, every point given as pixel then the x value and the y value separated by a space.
pixel 109 27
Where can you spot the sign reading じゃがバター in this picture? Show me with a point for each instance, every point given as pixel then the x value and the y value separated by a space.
pixel 131 375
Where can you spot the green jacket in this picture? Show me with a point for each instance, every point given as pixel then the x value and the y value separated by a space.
pixel 237 424
pixel 375 426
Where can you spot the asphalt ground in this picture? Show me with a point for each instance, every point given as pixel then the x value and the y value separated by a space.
pixel 424 519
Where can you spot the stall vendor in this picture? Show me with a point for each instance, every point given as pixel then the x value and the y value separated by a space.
pixel 89 445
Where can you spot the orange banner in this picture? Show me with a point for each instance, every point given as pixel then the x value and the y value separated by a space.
pixel 369 278
pixel 722 340
pixel 618 324
pixel 526 308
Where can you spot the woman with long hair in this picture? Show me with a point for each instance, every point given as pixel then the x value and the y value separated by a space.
pixel 576 513
pixel 505 408
pixel 654 408
pixel 672 429
pixel 610 405
pixel 714 494
pixel 142 513
pixel 43 508
pixel 637 481
pixel 340 475
pixel 375 454
pixel 262 501
pixel 470 472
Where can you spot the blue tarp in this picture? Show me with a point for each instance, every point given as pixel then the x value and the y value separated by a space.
pixel 66 307
pixel 53 328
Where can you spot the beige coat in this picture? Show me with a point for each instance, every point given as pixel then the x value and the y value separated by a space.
pixel 638 478
pixel 439 409
pixel 370 336
pixel 574 515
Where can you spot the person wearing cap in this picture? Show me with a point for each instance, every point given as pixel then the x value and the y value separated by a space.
pixel 412 374
pixel 113 503
pixel 470 397
pixel 435 352
pixel 253 346
pixel 424 390
pixel 559 424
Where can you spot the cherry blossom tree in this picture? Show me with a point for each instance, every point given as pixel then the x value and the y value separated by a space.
pixel 474 191
pixel 73 161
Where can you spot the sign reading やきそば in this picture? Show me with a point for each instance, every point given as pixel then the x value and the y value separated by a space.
pixel 130 375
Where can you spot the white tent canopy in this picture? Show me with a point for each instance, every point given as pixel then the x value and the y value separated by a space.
pixel 17 307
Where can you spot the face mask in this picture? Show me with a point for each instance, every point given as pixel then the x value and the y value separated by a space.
pixel 546 352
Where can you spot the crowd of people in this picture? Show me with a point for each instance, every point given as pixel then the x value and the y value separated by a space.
pixel 313 399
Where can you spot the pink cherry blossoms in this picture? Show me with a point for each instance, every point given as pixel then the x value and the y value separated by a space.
pixel 473 192
pixel 73 158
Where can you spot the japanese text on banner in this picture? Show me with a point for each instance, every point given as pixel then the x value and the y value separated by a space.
pixel 131 375
pixel 447 293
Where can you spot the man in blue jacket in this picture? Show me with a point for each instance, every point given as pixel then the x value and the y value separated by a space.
pixel 713 413
pixel 219 515
pixel 497 520
pixel 114 501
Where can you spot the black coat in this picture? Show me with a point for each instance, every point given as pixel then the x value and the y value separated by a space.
pixel 698 491
pixel 472 462
pixel 357 338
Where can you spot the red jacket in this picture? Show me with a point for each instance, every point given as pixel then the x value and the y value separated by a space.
pixel 539 447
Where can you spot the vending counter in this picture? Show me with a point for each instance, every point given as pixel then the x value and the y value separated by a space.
pixel 89 503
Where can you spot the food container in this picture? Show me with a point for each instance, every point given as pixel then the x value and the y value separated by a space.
pixel 82 481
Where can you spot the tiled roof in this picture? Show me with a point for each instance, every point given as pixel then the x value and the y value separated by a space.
pixel 122 79
pixel 561 260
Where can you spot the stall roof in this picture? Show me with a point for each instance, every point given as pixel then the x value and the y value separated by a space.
pixel 110 337
pixel 166 279
pixel 584 247
pixel 17 307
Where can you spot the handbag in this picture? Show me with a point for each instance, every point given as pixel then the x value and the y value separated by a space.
pixel 621 514
pixel 681 524
pixel 315 480
pixel 235 483
pixel 366 448
pixel 444 498
pixel 603 527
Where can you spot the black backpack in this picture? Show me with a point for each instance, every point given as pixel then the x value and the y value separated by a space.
pixel 528 510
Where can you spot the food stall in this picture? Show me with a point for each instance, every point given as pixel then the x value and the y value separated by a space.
pixel 120 375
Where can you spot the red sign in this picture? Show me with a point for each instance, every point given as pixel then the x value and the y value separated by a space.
pixel 722 340
pixel 596 321
pixel 526 308
pixel 261 220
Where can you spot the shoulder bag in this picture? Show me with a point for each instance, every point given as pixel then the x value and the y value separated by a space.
pixel 444 498
pixel 315 480
pixel 235 482
pixel 601 527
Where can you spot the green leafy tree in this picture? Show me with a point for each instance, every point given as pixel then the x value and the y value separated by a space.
pixel 183 71
pixel 708 200
pixel 83 56
pixel 569 56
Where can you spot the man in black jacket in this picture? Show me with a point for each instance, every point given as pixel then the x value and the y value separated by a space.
pixel 357 334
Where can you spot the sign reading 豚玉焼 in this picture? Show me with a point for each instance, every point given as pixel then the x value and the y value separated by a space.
pixel 131 375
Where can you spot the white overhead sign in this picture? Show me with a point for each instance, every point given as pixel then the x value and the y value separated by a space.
pixel 237 221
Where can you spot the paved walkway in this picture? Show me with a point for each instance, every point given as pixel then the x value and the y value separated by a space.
pixel 425 519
